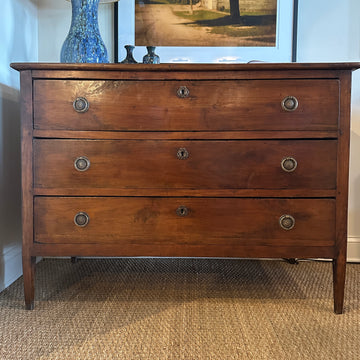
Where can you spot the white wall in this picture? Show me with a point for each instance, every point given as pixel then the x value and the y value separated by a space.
pixel 18 29
pixel 329 30
pixel 54 23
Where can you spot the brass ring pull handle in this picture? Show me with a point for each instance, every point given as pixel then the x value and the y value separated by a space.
pixel 182 211
pixel 290 103
pixel 183 92
pixel 182 154
pixel 289 164
pixel 287 222
pixel 82 163
pixel 81 219
pixel 81 105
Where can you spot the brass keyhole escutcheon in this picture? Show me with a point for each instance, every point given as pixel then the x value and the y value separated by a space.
pixel 81 219
pixel 81 105
pixel 182 211
pixel 182 154
pixel 183 92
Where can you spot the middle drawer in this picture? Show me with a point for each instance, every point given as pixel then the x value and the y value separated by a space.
pixel 160 164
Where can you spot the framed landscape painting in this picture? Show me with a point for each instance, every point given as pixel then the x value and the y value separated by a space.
pixel 208 31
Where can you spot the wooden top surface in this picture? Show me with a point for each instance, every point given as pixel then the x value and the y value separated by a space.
pixel 256 66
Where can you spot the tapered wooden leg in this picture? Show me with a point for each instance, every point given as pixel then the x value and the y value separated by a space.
pixel 339 270
pixel 29 281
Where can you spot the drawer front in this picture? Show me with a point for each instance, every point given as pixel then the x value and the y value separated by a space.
pixel 186 105
pixel 163 222
pixel 158 164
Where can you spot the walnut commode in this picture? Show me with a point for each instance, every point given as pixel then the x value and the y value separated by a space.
pixel 185 160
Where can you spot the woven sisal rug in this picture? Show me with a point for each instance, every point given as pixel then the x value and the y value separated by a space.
pixel 181 309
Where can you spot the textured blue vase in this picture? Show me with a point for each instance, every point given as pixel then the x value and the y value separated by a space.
pixel 84 44
pixel 151 57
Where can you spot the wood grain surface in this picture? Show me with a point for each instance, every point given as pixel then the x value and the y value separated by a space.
pixel 211 105
pixel 151 164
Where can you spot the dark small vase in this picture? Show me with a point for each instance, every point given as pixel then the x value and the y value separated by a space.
pixel 151 57
pixel 129 59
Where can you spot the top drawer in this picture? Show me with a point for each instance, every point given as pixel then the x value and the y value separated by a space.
pixel 186 105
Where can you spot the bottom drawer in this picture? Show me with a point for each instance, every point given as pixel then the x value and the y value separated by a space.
pixel 127 222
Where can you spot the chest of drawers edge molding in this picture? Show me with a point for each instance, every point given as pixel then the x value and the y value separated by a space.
pixel 341 72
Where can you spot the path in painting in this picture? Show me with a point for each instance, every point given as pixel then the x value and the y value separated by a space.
pixel 157 25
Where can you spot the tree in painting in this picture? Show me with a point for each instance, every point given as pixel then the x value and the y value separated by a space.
pixel 234 9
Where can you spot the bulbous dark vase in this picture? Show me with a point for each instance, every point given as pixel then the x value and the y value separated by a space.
pixel 151 57
pixel 129 59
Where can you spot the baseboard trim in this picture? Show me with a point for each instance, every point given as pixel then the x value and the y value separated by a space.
pixel 353 252
pixel 10 266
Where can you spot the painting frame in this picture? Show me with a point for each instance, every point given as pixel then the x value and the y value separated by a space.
pixel 284 51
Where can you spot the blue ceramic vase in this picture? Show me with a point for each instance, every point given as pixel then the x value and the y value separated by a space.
pixel 84 44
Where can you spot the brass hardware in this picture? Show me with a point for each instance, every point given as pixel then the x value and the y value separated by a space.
pixel 81 219
pixel 182 154
pixel 287 222
pixel 183 92
pixel 82 163
pixel 81 105
pixel 288 164
pixel 290 103
pixel 182 211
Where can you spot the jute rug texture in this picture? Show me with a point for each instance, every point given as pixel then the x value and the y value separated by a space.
pixel 181 309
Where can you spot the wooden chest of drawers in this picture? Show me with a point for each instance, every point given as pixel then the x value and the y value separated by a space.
pixel 185 160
